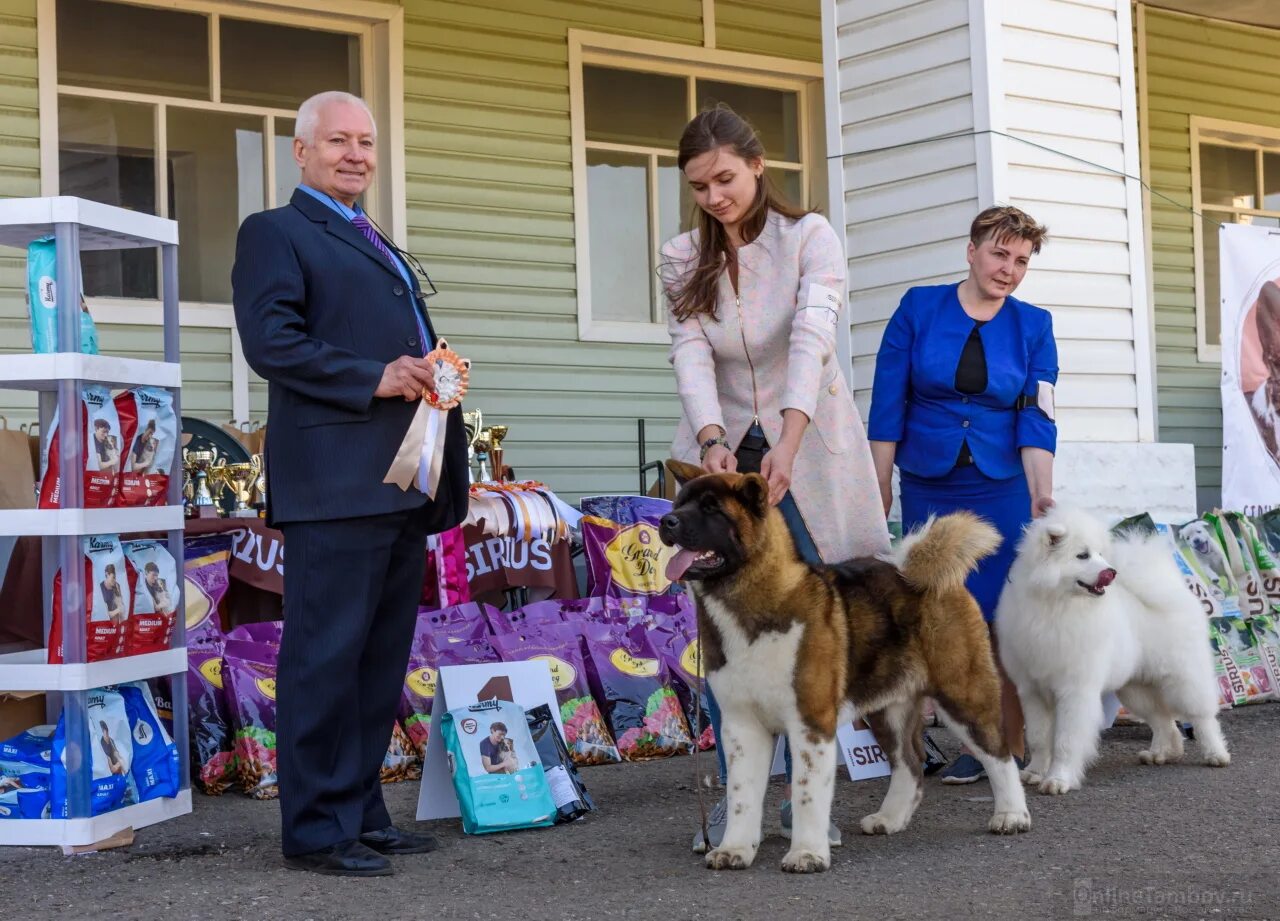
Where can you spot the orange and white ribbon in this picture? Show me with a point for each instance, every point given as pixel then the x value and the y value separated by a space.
pixel 420 458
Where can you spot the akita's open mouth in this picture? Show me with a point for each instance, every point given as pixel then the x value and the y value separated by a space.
pixel 692 564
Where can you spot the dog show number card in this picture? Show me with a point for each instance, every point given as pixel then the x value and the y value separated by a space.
pixel 525 683
pixel 863 756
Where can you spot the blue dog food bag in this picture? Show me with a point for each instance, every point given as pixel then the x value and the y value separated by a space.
pixel 24 775
pixel 110 753
pixel 155 769
pixel 42 287
pixel 497 771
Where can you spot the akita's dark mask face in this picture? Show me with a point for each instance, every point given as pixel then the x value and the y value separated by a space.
pixel 712 523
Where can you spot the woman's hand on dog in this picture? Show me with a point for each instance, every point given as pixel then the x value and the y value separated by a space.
pixel 1040 506
pixel 776 469
pixel 719 459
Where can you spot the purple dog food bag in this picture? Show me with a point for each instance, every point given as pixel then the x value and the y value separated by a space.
pixel 585 732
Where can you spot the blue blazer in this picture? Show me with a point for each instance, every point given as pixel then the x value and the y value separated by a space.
pixel 321 312
pixel 915 401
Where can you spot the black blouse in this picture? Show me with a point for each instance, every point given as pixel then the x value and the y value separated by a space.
pixel 971 378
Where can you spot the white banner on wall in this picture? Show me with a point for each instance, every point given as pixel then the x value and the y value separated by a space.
pixel 1250 265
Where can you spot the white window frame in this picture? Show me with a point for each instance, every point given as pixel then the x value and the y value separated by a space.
pixel 379 29
pixel 666 58
pixel 1258 138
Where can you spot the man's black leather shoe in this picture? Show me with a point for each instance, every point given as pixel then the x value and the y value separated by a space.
pixel 393 841
pixel 350 858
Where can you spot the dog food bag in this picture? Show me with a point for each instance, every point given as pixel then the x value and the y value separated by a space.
pixel 267 631
pixel 1266 564
pixel 1197 542
pixel 527 619
pixel 154 770
pixel 428 652
pixel 585 731
pixel 625 557
pixel 1232 688
pixel 25 763
pixel 149 428
pixel 110 751
pixel 1267 633
pixel 100 435
pixel 213 765
pixel 1236 635
pixel 107 601
pixel 206 577
pixel 154 577
pixel 679 652
pixel 497 772
pixel 1143 524
pixel 1244 567
pixel 42 301
pixel 249 674
pixel 401 762
pixel 468 621
pixel 1267 526
pixel 633 688
pixel 567 789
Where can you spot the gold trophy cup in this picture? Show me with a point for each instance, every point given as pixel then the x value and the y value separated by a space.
pixel 472 423
pixel 496 434
pixel 240 478
pixel 202 474
pixel 483 446
pixel 258 462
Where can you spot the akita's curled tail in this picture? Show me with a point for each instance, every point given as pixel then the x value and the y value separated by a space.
pixel 940 555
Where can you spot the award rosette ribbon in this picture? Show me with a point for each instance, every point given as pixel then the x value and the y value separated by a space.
pixel 420 457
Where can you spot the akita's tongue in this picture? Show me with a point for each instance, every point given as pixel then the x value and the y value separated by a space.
pixel 680 563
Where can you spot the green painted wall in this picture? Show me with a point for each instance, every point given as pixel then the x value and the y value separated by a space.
pixel 206 353
pixel 490 211
pixel 1215 70
pixel 491 215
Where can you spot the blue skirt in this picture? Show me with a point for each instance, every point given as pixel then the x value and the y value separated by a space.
pixel 1004 503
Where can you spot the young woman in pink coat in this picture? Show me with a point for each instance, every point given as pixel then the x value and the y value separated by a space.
pixel 755 294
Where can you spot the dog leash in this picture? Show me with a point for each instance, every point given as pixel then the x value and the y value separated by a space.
pixel 697 750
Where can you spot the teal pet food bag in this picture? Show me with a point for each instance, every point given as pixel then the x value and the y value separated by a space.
pixel 42 288
pixel 497 771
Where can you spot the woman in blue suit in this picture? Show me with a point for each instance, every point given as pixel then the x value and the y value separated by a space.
pixel 963 404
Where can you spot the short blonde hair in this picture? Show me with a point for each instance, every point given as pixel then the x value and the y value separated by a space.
pixel 1006 222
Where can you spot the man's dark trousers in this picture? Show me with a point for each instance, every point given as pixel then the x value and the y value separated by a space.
pixel 351 588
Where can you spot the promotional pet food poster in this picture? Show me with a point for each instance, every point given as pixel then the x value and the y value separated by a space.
pixel 1250 368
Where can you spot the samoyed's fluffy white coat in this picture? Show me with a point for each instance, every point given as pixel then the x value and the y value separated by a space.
pixel 1086 613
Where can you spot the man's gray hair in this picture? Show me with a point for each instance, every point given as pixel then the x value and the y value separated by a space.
pixel 309 113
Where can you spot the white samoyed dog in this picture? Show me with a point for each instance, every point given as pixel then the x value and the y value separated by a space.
pixel 1086 613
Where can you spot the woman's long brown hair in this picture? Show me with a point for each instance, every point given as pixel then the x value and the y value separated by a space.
pixel 709 130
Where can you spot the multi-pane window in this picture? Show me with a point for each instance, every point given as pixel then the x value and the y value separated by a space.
pixel 198 127
pixel 1239 183
pixel 636 196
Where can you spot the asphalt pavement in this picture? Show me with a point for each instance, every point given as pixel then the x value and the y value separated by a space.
pixel 1181 841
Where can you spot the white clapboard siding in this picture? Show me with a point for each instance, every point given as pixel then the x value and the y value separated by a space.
pixel 905 78
pixel 1061 74
pixel 1055 76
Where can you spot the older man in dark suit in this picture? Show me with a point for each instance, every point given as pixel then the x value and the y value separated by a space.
pixel 332 316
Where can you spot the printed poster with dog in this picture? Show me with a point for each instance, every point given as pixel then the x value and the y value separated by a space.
pixel 1250 267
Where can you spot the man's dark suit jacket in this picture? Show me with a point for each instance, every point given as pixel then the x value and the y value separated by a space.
pixel 321 312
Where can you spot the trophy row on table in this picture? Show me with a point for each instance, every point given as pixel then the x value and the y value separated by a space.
pixel 484 448
pixel 206 477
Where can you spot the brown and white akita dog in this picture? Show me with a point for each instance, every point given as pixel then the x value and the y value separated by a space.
pixel 794 648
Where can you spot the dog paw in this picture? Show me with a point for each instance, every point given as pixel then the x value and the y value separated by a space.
pixel 1010 823
pixel 1030 778
pixel 1055 786
pixel 1217 759
pixel 1154 757
pixel 880 823
pixel 799 860
pixel 730 858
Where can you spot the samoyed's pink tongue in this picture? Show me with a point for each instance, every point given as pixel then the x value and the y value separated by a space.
pixel 679 564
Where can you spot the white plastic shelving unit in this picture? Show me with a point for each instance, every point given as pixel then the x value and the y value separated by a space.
pixel 78 225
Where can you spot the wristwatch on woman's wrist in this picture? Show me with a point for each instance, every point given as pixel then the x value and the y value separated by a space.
pixel 712 442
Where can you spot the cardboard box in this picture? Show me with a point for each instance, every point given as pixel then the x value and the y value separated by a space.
pixel 19 711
